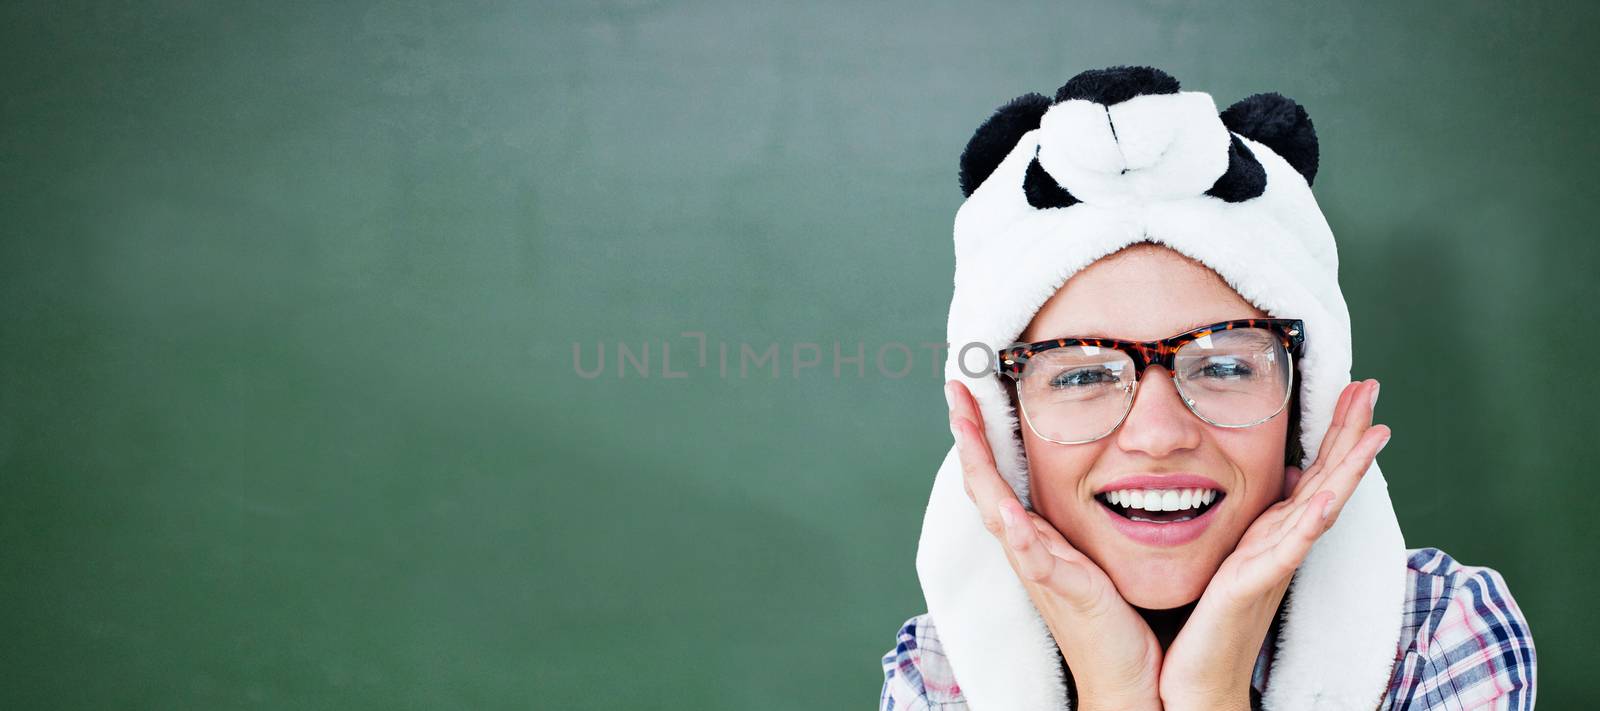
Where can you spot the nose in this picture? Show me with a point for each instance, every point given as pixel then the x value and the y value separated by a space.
pixel 1158 424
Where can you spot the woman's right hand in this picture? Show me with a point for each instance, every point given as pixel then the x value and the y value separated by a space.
pixel 1114 658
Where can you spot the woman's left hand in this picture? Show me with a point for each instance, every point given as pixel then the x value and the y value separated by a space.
pixel 1209 664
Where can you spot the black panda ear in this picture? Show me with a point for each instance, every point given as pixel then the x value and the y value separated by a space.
pixel 1279 123
pixel 993 140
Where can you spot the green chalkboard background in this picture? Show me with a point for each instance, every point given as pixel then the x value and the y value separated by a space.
pixel 289 294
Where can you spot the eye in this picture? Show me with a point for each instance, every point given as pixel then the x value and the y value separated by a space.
pixel 1223 368
pixel 1083 377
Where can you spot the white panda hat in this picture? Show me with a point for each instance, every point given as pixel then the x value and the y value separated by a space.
pixel 1120 156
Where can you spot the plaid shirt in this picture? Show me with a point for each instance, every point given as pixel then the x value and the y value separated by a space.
pixel 1464 644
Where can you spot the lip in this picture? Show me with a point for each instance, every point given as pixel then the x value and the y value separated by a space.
pixel 1161 534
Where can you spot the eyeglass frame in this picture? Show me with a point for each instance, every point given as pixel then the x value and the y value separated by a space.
pixel 1162 352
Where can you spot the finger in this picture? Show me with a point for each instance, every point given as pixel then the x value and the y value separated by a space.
pixel 1036 556
pixel 1349 399
pixel 1309 524
pixel 1279 515
pixel 964 404
pixel 1344 478
pixel 979 476
pixel 964 412
pixel 1357 419
pixel 1072 580
pixel 1309 483
pixel 1029 557
pixel 1053 540
pixel 1339 412
pixel 1297 515
pixel 1343 435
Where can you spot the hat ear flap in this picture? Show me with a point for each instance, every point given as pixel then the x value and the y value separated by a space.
pixel 993 141
pixel 1279 123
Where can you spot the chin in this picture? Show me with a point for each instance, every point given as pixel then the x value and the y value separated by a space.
pixel 1160 585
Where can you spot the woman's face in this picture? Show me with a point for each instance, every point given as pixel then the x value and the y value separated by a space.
pixel 1147 292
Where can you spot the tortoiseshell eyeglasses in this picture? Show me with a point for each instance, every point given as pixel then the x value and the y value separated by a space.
pixel 1237 373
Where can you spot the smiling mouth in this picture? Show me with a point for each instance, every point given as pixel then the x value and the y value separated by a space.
pixel 1161 505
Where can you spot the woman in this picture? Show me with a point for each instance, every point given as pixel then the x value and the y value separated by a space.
pixel 1188 512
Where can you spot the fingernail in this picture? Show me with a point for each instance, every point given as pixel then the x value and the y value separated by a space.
pixel 949 396
pixel 955 432
pixel 1009 518
pixel 1327 509
pixel 1383 443
pixel 1375 387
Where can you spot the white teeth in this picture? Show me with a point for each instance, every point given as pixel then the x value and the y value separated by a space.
pixel 1162 499
pixel 1153 501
